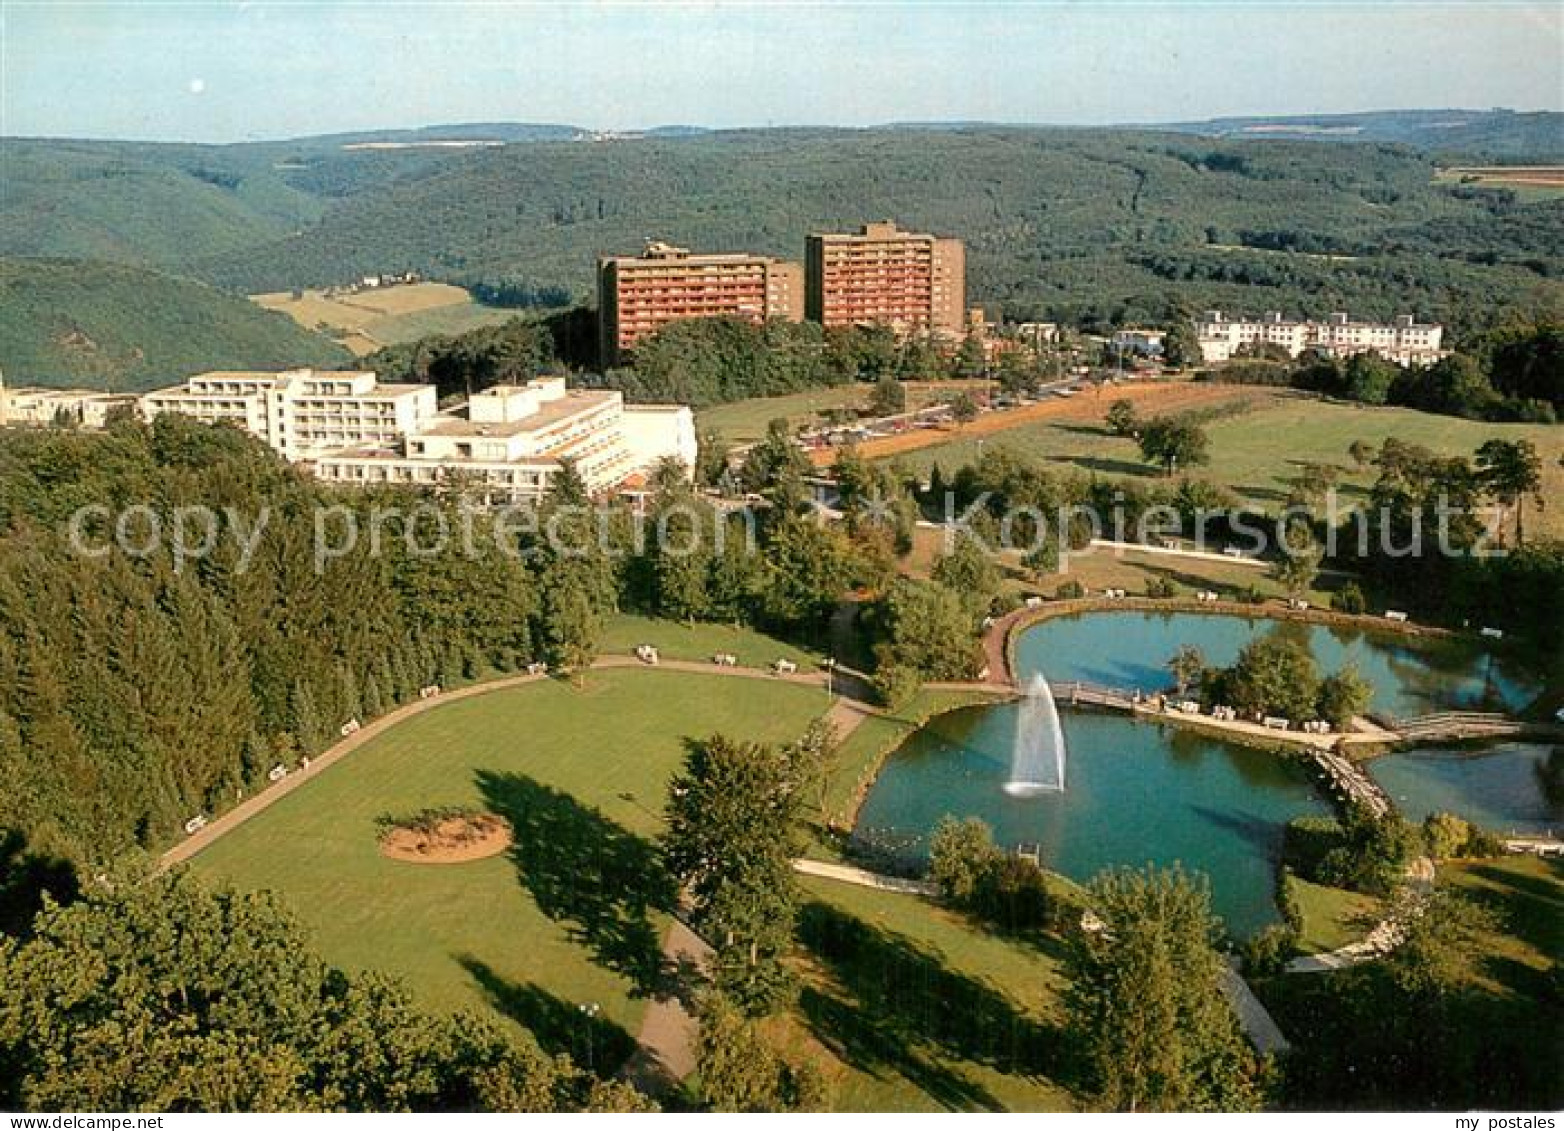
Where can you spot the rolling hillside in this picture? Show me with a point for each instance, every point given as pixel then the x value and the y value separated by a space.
pixel 1092 226
pixel 1069 224
pixel 70 322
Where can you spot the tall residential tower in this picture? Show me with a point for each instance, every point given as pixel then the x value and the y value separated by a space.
pixel 910 281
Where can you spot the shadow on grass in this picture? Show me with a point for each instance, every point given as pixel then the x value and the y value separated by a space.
pixel 559 1026
pixel 589 873
pixel 894 1007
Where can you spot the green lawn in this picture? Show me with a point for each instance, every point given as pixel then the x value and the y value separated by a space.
pixel 921 1010
pixel 575 912
pixel 1258 452
pixel 1333 917
pixel 457 318
pixel 1527 892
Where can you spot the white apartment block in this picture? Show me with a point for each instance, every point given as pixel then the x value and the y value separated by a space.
pixel 302 413
pixel 508 440
pixel 1404 341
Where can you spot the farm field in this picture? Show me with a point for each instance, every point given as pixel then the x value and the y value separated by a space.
pixel 366 320
pixel 1529 181
pixel 1257 450
pixel 575 911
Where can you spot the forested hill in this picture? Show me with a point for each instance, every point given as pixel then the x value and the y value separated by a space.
pixel 1465 135
pixel 1067 224
pixel 105 325
pixel 1097 226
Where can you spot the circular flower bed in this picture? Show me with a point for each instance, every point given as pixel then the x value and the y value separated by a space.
pixel 444 836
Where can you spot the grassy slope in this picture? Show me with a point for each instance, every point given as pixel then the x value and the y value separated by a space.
pixel 1258 452
pixel 1333 917
pixel 110 326
pixel 923 1011
pixel 582 774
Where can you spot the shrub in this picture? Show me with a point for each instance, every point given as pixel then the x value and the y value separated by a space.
pixel 1071 590
pixel 1266 952
pixel 1161 587
pixel 1349 599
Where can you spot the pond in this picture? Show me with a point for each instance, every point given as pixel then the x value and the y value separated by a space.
pixel 1508 787
pixel 1411 676
pixel 1142 793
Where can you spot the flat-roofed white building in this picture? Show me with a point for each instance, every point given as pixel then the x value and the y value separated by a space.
pixel 302 413
pixel 37 407
pixel 511 439
pixel 1404 341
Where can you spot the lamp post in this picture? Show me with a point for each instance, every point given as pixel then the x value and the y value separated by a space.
pixel 589 1010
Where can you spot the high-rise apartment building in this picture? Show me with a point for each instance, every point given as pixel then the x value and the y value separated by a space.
pixel 909 281
pixel 638 295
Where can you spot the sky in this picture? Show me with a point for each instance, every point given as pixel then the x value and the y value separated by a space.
pixel 218 72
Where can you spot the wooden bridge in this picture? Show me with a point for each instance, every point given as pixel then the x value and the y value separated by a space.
pixel 1453 726
pixel 1079 693
pixel 1350 784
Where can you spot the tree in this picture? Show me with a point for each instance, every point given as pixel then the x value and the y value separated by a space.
pixel 1173 443
pixel 924 628
pixel 1344 695
pixel 969 573
pixel 1122 418
pixel 1510 470
pixel 1188 666
pixel 970 362
pixel 961 853
pixel 1146 1007
pixel 732 833
pixel 963 408
pixel 154 992
pixel 1300 561
pixel 1368 378
pixel 1180 346
pixel 775 468
pixel 1274 675
pixel 888 398
pixel 741 1071
pixel 1362 453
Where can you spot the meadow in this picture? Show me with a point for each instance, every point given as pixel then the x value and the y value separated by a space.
pixel 367 320
pixel 1258 446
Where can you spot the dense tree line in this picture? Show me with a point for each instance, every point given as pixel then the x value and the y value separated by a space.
pixel 137 691
pixel 156 993
pixel 1512 373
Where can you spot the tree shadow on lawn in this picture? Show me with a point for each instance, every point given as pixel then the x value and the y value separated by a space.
pixel 559 1026
pixel 895 1007
pixel 588 872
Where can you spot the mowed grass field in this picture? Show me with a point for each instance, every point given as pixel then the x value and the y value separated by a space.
pixel 384 316
pixel 575 912
pixel 1260 448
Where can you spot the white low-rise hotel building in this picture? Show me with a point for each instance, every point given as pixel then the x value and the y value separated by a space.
pixel 507 440
pixel 79 408
pixel 302 413
pixel 1404 341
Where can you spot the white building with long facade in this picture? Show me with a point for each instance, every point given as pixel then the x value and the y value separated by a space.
pixel 507 440
pixel 1404 341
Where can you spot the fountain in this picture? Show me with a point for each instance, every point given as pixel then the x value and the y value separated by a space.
pixel 1037 758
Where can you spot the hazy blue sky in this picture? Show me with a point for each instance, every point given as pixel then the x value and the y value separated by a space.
pixel 230 71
